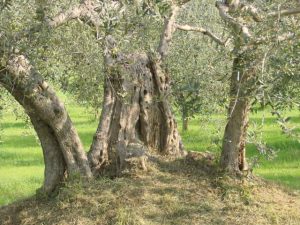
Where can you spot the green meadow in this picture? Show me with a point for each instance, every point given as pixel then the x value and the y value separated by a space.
pixel 21 160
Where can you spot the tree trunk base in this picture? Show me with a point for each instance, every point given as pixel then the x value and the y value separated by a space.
pixel 131 158
pixel 136 116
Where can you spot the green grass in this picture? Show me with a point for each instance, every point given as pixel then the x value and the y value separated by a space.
pixel 21 160
pixel 283 169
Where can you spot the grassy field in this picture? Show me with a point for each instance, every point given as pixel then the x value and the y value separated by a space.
pixel 21 160
pixel 284 168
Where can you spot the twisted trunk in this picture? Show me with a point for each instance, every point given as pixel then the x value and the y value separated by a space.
pixel 136 115
pixel 61 144
pixel 55 167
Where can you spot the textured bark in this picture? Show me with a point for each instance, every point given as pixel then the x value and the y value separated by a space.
pixel 136 116
pixel 171 141
pixel 50 120
pixel 233 157
pixel 168 31
pixel 55 167
pixel 98 154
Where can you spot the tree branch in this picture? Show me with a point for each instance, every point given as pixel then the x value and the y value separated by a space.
pixel 258 17
pixel 85 9
pixel 253 11
pixel 280 38
pixel 284 12
pixel 223 11
pixel 203 31
pixel 167 33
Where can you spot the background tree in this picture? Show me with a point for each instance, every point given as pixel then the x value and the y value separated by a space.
pixel 197 64
pixel 249 48
pixel 135 92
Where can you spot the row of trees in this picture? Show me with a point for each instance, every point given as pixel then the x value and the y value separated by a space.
pixel 125 46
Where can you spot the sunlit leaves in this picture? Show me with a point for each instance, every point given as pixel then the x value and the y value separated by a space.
pixel 5 4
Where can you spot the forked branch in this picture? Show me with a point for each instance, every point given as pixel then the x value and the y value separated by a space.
pixel 239 25
pixel 204 32
pixel 284 12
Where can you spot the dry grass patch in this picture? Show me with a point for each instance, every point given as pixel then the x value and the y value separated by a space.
pixel 186 191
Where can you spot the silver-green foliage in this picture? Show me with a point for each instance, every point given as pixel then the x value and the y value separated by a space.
pixel 200 69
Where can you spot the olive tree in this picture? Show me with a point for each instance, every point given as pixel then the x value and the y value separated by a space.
pixel 136 114
pixel 252 29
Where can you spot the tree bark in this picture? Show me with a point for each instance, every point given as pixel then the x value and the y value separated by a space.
pixel 50 120
pixel 55 167
pixel 98 154
pixel 136 116
pixel 233 156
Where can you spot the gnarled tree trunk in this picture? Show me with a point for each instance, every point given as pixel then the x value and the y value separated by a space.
pixel 55 167
pixel 61 145
pixel 136 115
